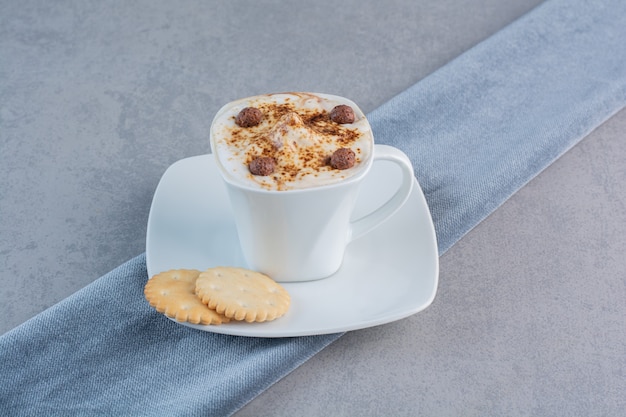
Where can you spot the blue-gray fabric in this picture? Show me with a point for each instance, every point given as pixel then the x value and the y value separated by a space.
pixel 482 126
pixel 476 130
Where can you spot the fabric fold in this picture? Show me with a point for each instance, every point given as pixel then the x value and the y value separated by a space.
pixel 476 131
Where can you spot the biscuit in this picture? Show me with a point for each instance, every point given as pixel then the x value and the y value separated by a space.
pixel 242 294
pixel 172 293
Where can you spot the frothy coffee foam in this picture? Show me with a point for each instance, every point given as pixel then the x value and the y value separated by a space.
pixel 296 130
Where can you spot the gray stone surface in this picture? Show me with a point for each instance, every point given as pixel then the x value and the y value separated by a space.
pixel 97 99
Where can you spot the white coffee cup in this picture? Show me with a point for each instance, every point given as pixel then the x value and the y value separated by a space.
pixel 301 234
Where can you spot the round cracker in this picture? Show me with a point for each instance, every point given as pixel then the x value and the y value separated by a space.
pixel 242 294
pixel 172 293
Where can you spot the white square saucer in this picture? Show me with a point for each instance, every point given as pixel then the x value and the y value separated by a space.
pixel 388 274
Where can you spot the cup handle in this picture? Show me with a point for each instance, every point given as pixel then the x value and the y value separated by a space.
pixel 370 221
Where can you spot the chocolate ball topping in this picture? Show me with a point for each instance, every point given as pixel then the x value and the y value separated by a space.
pixel 263 165
pixel 248 117
pixel 343 158
pixel 342 114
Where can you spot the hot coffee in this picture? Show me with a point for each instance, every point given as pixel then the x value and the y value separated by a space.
pixel 291 141
pixel 293 165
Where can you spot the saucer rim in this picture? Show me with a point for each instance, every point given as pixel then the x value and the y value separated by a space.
pixel 260 329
